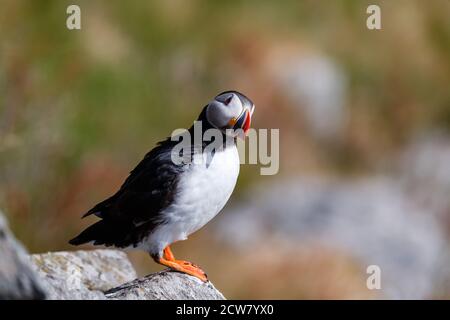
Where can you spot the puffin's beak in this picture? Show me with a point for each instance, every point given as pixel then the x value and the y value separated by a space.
pixel 244 121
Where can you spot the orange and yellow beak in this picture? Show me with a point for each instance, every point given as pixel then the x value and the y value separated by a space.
pixel 243 121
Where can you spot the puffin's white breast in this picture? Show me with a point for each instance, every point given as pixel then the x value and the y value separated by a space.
pixel 202 192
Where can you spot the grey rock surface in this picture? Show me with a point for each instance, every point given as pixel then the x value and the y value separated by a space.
pixel 108 274
pixel 166 285
pixel 17 280
pixel 82 275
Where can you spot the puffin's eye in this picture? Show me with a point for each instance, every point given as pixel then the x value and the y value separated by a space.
pixel 228 100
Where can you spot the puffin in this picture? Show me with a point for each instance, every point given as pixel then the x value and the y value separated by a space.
pixel 163 201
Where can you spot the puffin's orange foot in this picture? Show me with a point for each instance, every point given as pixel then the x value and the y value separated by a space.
pixel 185 267
pixel 188 264
pixel 199 273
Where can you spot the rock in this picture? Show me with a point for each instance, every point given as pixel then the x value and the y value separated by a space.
pixel 108 274
pixel 166 285
pixel 82 274
pixel 17 280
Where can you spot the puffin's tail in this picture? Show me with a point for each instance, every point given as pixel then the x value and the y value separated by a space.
pixel 99 232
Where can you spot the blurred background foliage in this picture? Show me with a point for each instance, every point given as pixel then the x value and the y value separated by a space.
pixel 78 109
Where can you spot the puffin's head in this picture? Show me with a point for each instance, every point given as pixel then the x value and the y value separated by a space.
pixel 230 110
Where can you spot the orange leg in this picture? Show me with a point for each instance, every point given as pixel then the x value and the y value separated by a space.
pixel 168 255
pixel 169 260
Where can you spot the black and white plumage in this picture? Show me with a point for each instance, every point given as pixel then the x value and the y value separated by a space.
pixel 162 202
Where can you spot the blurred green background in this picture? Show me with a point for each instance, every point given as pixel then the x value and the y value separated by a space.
pixel 78 109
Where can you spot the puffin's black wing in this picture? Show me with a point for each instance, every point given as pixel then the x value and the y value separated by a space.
pixel 132 213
